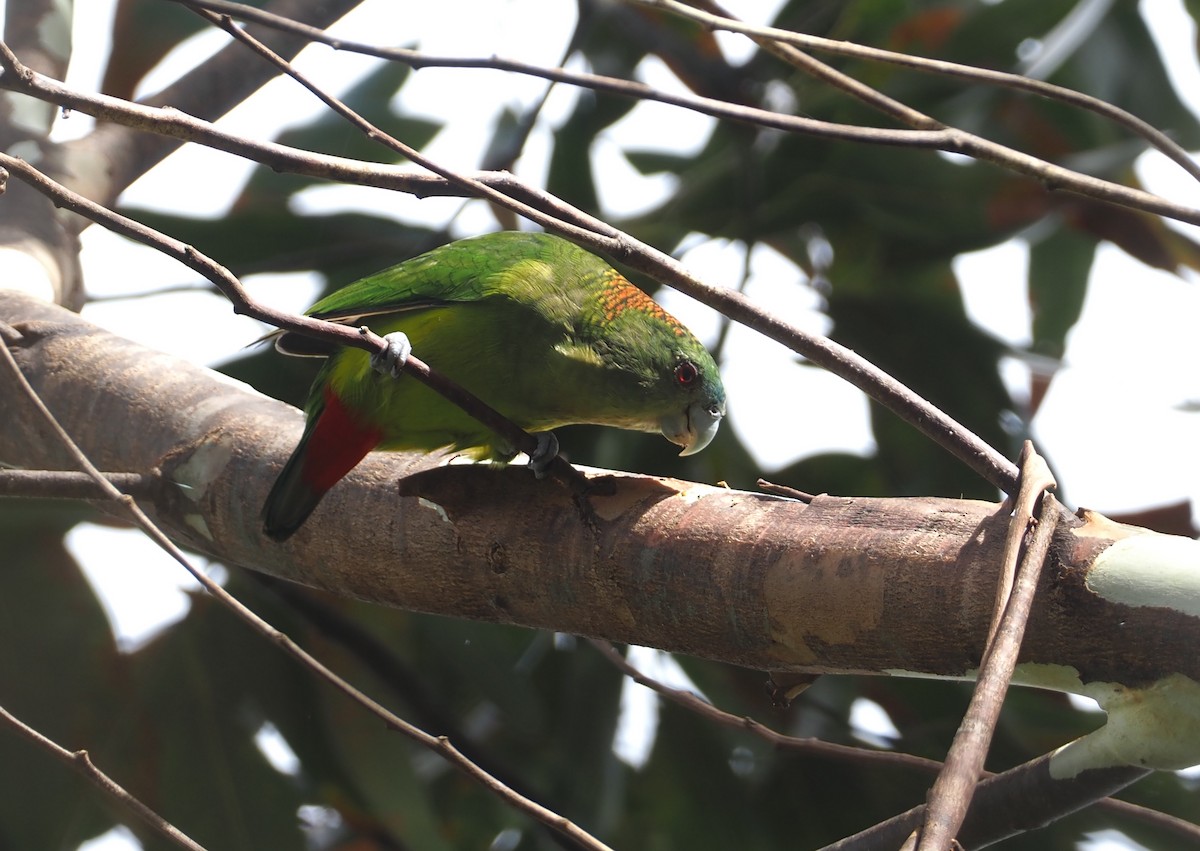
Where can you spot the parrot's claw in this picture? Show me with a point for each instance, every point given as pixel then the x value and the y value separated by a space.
pixel 544 455
pixel 391 360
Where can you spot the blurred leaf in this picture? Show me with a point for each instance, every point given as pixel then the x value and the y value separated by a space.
pixel 921 336
pixel 342 246
pixel 186 733
pixel 655 162
pixel 60 673
pixel 142 34
pixel 1143 237
pixel 329 133
pixel 1059 266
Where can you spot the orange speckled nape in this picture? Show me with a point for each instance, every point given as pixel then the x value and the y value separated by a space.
pixel 618 295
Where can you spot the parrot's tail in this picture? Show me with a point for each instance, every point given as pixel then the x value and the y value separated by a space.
pixel 332 444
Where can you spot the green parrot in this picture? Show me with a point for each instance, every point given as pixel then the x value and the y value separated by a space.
pixel 536 327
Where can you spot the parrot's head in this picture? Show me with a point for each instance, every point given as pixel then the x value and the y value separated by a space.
pixel 699 400
pixel 667 381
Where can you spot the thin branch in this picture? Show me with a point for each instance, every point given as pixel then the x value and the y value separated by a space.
pixel 82 762
pixel 379 657
pixel 872 97
pixel 1183 830
pixel 468 184
pixel 950 797
pixel 596 82
pixel 172 289
pixel 61 484
pixel 931 135
pixel 780 741
pixel 170 122
pixel 439 744
pixel 717 18
pixel 784 490
pixel 1018 800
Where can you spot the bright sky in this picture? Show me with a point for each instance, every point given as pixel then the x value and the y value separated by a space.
pixel 1112 424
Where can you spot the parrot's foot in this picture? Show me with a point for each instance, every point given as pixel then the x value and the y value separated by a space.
pixel 544 455
pixel 391 360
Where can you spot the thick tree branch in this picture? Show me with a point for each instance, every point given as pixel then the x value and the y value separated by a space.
pixel 29 224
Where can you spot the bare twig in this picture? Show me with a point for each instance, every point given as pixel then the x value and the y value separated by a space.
pixel 60 484
pixel 930 134
pixel 784 490
pixel 810 746
pixel 717 18
pixel 1020 799
pixel 1036 478
pixel 951 794
pixel 82 762
pixel 438 744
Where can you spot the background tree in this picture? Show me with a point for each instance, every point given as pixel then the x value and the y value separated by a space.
pixel 874 232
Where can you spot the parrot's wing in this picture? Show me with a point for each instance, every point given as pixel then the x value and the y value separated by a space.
pixel 435 279
pixel 302 345
pixel 508 264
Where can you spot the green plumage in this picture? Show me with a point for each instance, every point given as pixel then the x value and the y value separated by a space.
pixel 533 325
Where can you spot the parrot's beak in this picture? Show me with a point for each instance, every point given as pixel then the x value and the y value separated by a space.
pixel 693 428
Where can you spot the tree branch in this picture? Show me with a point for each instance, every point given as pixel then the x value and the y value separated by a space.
pixel 60 484
pixel 716 18
pixel 1185 831
pixel 951 794
pixel 498 545
pixel 1034 796
pixel 931 135
pixel 809 746
pixel 839 585
pixel 81 762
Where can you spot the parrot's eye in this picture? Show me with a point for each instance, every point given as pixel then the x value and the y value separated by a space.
pixel 686 373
